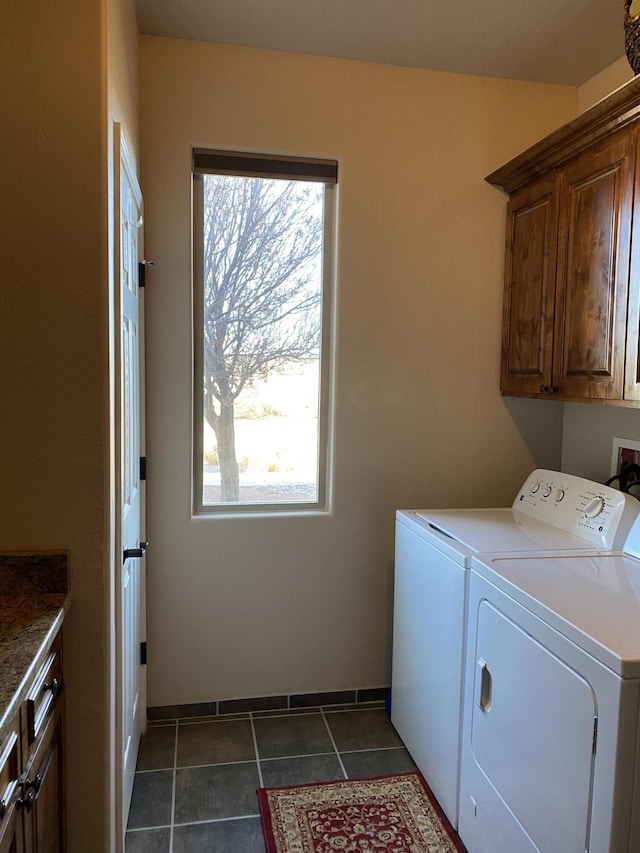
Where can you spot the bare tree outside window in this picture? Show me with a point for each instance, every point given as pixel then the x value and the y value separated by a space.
pixel 262 242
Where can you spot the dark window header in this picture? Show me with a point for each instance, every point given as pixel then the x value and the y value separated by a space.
pixel 208 162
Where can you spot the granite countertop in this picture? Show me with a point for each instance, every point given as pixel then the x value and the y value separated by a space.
pixel 33 601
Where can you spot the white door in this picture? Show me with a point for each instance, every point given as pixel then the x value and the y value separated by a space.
pixel 130 545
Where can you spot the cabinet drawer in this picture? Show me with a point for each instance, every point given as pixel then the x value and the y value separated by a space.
pixel 42 696
pixel 9 772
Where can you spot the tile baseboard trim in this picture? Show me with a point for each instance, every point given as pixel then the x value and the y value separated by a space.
pixel 286 702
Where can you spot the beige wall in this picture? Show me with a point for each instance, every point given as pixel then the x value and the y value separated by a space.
pixel 588 434
pixel 53 342
pixel 250 606
pixel 55 452
pixel 122 69
pixel 609 79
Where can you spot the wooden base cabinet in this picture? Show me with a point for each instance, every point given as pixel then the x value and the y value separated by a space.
pixel 10 819
pixel 570 318
pixel 31 767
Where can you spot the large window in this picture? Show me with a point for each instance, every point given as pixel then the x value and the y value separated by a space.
pixel 262 300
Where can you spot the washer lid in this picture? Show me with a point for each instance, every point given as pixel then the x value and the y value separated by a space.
pixel 490 530
pixel 593 599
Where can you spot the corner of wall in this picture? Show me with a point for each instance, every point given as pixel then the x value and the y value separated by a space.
pixel 604 83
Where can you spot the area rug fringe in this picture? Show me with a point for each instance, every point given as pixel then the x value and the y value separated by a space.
pixel 394 814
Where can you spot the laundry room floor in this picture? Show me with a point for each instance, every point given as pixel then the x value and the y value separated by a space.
pixel 196 779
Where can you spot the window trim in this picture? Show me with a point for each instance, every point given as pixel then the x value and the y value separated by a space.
pixel 217 162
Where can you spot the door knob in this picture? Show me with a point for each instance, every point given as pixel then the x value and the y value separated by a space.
pixel 134 552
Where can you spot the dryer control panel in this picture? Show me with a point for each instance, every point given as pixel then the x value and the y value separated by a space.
pixel 596 513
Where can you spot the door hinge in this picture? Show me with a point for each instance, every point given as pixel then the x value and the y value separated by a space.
pixel 143 467
pixel 143 653
pixel 595 734
pixel 142 272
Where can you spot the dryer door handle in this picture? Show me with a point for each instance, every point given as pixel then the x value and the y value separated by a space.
pixel 484 686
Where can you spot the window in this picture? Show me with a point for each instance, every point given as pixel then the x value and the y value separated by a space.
pixel 262 302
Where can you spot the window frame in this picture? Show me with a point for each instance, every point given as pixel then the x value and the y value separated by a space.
pixel 286 168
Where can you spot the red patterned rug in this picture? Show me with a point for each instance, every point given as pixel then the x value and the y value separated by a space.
pixel 388 813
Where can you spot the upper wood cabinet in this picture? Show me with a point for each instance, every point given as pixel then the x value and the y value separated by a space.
pixel 572 269
pixel 528 309
pixel 592 273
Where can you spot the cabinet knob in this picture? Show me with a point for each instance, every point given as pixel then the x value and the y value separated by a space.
pixel 27 802
pixel 548 389
pixel 53 686
pixel 33 784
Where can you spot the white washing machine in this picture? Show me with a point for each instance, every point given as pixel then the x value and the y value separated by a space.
pixel 551 513
pixel 551 734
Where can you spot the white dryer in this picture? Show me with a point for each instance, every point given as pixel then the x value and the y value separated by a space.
pixel 551 734
pixel 551 513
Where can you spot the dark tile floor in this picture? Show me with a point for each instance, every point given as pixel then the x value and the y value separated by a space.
pixel 196 780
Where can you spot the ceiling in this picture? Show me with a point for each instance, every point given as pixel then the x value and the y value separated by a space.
pixel 549 41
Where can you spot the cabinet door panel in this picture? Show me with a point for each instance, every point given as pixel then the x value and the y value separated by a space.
pixel 596 194
pixel 632 366
pixel 529 288
pixel 43 786
pixel 11 834
pixel 48 817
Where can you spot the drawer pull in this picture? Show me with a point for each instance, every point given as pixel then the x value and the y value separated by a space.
pixel 3 809
pixel 27 802
pixel 34 784
pixel 42 697
pixel 53 686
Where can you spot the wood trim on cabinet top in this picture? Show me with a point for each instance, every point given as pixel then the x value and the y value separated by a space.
pixel 614 112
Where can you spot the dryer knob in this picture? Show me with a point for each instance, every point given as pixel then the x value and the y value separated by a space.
pixel 560 495
pixel 594 508
pixel 546 491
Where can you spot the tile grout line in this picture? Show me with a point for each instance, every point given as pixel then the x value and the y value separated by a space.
pixel 342 767
pixel 257 752
pixel 266 760
pixel 173 789
pixel 208 821
pixel 203 822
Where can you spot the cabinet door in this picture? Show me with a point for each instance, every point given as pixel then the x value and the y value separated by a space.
pixel 632 366
pixel 10 817
pixel 530 269
pixel 48 816
pixel 42 791
pixel 11 834
pixel 595 208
